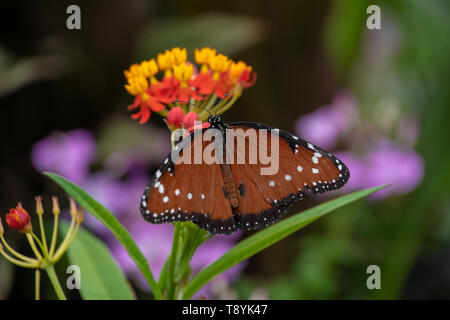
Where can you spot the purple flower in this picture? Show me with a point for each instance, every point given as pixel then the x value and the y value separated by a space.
pixel 213 249
pixel 151 147
pixel 69 154
pixel 120 197
pixel 324 126
pixel 357 167
pixel 399 166
pixel 387 163
pixel 155 241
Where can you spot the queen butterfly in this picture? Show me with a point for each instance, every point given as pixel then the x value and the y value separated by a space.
pixel 225 196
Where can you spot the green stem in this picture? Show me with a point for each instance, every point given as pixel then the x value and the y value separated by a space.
pixel 222 109
pixel 64 244
pixel 37 287
pixel 55 282
pixel 19 262
pixel 63 247
pixel 193 239
pixel 204 114
pixel 54 235
pixel 33 246
pixel 172 285
pixel 17 254
pixel 43 237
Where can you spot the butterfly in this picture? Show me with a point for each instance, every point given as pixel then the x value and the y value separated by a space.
pixel 233 192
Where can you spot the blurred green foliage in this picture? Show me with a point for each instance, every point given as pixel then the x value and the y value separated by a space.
pixel 228 33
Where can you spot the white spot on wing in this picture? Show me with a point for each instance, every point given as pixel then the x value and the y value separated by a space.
pixel 189 196
pixel 314 170
pixel 166 199
pixel 288 177
pixel 177 192
pixel 299 169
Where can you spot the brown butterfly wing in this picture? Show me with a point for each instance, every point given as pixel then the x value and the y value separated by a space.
pixel 188 192
pixel 302 166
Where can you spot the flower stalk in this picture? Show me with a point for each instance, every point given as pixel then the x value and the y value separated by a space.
pixel 45 257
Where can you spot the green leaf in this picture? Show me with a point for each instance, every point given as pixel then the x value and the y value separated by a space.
pixel 261 240
pixel 101 277
pixel 110 221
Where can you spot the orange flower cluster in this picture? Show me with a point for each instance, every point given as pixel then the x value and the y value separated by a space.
pixel 216 77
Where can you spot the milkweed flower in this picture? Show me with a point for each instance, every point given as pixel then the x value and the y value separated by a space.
pixel 144 101
pixel 46 253
pixel 172 80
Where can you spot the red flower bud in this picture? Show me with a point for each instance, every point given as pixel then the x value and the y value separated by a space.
pixel 189 119
pixel 175 118
pixel 19 219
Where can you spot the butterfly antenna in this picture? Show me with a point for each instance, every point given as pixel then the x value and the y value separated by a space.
pixel 194 104
pixel 220 101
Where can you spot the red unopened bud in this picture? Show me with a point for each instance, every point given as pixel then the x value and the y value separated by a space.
pixel 175 118
pixel 189 119
pixel 19 219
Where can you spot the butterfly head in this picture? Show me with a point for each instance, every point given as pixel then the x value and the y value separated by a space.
pixel 214 120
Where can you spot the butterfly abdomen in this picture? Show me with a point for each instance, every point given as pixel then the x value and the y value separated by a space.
pixel 229 185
